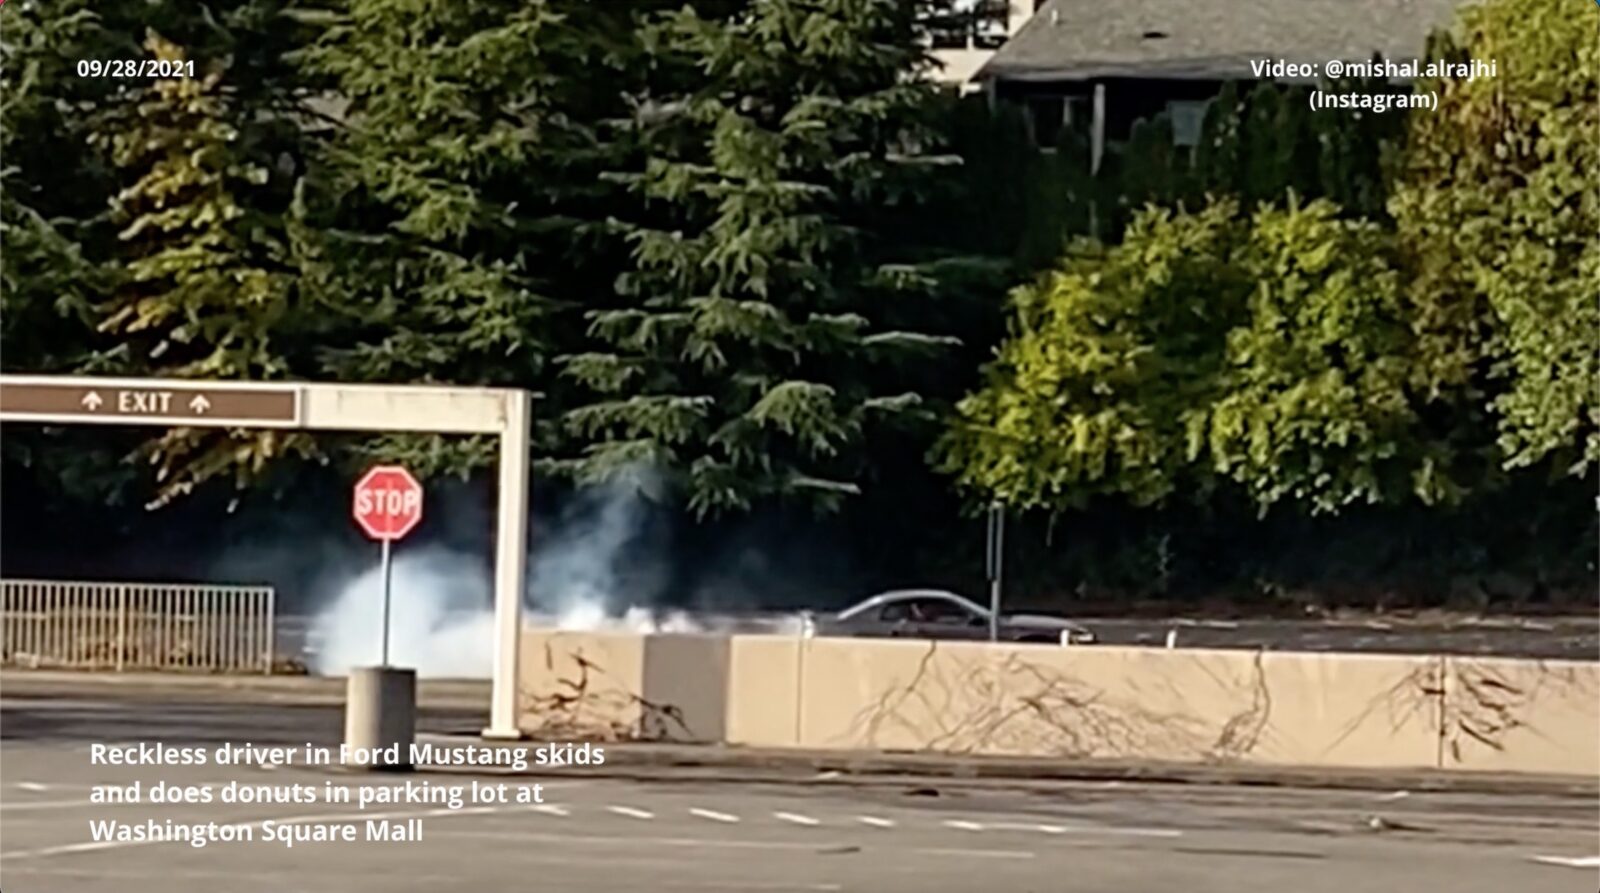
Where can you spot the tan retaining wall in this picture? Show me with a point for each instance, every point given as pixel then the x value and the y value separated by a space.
pixel 1184 705
pixel 1180 705
pixel 580 685
pixel 1521 716
pixel 764 690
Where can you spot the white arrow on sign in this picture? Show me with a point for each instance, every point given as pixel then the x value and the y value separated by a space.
pixel 199 404
pixel 91 401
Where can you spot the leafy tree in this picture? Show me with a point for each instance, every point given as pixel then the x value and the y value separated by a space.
pixel 761 341
pixel 1109 356
pixel 1269 350
pixel 1497 209
pixel 1313 405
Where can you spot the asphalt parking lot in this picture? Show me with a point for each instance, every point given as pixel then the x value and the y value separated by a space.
pixel 674 832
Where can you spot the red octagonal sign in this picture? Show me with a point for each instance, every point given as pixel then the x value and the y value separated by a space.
pixel 388 503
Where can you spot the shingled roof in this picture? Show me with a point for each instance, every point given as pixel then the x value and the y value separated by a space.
pixel 1209 39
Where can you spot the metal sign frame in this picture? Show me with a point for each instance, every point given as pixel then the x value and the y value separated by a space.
pixel 421 409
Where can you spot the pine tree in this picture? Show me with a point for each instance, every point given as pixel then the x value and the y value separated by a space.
pixel 50 190
pixel 204 290
pixel 445 216
pixel 1217 155
pixel 761 345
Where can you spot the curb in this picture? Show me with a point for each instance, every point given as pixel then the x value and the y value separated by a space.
pixel 318 691
pixel 699 763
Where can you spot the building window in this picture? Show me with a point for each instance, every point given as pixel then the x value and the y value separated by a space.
pixel 1187 119
pixel 1079 112
pixel 972 24
pixel 1046 116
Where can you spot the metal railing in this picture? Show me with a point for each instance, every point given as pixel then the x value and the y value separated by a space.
pixel 136 626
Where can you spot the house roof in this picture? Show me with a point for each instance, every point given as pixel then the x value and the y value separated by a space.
pixel 1209 39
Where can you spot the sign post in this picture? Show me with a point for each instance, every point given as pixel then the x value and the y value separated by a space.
pixel 388 505
pixel 996 555
pixel 381 704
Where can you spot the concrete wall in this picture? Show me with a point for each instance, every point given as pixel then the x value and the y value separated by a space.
pixel 586 686
pixel 685 692
pixel 1183 705
pixel 1521 716
pixel 764 690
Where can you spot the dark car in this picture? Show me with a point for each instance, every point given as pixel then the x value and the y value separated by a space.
pixel 938 614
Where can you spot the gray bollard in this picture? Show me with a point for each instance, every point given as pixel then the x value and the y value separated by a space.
pixel 380 718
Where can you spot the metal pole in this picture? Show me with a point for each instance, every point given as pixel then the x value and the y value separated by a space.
pixel 388 567
pixel 510 563
pixel 122 627
pixel 996 556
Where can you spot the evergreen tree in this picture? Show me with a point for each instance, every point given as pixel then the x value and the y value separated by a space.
pixel 1217 154
pixel 205 289
pixel 1265 147
pixel 445 214
pixel 761 344
pixel 51 191
pixel 53 238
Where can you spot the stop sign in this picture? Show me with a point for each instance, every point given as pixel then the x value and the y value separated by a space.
pixel 388 502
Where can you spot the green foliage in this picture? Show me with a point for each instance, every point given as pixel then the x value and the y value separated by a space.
pixel 205 289
pixel 758 345
pixel 1107 357
pixel 1498 206
pixel 1313 406
pixel 728 242
pixel 442 213
pixel 203 286
pixel 1267 350
pixel 49 194
pixel 1257 143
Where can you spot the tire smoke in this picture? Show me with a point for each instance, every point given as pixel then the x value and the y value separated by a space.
pixel 442 616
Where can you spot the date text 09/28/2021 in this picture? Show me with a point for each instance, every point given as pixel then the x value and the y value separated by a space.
pixel 136 68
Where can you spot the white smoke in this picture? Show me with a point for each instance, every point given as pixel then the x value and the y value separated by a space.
pixel 439 619
pixel 442 620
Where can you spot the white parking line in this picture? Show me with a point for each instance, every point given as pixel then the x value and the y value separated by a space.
pixel 1121 832
pixel 58 804
pixel 714 816
pixel 1048 828
pixel 795 818
pixel 610 843
pixel 631 812
pixel 962 825
pixel 551 809
pixel 875 822
pixel 31 786
pixel 1569 862
pixel 975 854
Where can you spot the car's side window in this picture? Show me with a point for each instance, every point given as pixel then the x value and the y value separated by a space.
pixel 938 609
pixel 894 611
